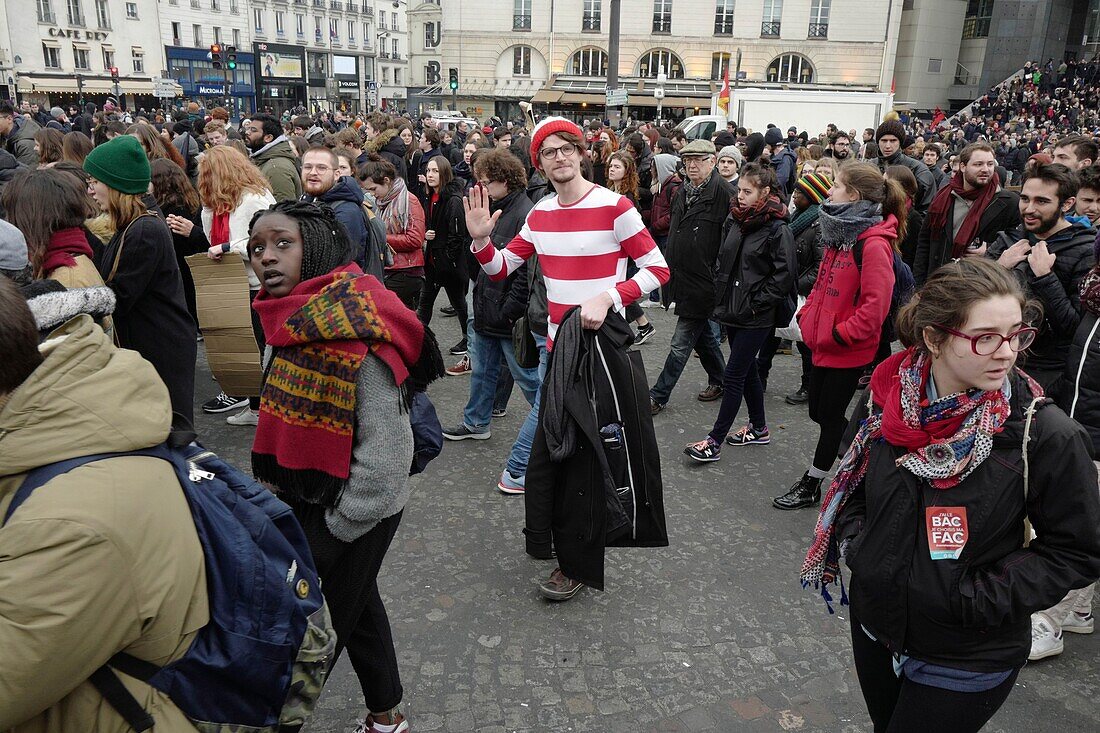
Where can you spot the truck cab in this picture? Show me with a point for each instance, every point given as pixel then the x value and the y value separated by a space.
pixel 702 127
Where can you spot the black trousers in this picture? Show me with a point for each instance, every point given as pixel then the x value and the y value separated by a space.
pixel 406 286
pixel 349 581
pixel 455 287
pixel 898 705
pixel 831 390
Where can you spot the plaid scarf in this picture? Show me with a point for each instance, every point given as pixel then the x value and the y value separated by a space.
pixel 395 207
pixel 753 217
pixel 946 440
pixel 320 333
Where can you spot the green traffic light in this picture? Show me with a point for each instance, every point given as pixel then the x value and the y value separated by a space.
pixel 232 64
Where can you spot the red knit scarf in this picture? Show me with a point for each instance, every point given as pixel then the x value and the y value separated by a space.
pixel 945 200
pixel 64 245
pixel 753 217
pixel 320 333
pixel 219 229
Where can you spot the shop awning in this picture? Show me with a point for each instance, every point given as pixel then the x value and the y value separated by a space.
pixel 574 98
pixel 29 84
pixel 546 96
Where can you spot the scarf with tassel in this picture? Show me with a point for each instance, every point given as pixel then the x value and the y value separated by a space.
pixel 320 333
pixel 395 207
pixel 945 441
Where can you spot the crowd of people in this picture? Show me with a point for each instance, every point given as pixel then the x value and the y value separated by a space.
pixel 903 263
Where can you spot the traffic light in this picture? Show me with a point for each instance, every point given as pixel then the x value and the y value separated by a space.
pixel 216 55
pixel 454 79
pixel 230 57
pixel 114 75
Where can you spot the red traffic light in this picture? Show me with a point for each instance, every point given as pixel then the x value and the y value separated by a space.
pixel 215 48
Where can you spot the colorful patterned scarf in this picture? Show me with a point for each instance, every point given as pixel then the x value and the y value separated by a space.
pixel 1090 291
pixel 395 207
pixel 946 440
pixel 320 333
pixel 753 217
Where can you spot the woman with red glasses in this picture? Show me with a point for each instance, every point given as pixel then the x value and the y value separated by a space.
pixel 930 506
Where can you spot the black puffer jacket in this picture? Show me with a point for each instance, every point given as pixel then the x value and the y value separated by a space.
pixel 934 248
pixel 694 235
pixel 1058 291
pixel 974 613
pixel 926 184
pixel 808 251
pixel 755 276
pixel 1080 395
pixel 497 304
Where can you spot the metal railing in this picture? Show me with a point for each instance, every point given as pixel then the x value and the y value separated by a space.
pixel 336 5
pixel 521 22
pixel 964 77
pixel 818 30
pixel 770 29
pixel 46 16
pixel 383 54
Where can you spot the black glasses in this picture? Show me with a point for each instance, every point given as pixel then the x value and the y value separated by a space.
pixel 551 153
pixel 987 344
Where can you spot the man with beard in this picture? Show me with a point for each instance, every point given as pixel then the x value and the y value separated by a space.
pixel 321 183
pixel 272 154
pixel 889 137
pixel 840 147
pixel 967 214
pixel 1049 255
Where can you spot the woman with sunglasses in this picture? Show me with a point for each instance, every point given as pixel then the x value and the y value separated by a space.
pixel 930 506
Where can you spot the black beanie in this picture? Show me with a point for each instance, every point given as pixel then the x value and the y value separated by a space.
pixel 891 127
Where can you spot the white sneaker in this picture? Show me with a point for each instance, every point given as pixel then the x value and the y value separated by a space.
pixel 245 417
pixel 1045 641
pixel 1076 623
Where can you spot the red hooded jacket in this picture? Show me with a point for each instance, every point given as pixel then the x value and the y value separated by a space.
pixel 842 320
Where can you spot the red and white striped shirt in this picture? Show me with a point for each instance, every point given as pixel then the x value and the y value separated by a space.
pixel 583 249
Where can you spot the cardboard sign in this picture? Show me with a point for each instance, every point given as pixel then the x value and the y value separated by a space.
pixel 947 531
pixel 225 317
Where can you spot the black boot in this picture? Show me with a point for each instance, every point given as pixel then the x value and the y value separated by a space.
pixel 801 397
pixel 805 492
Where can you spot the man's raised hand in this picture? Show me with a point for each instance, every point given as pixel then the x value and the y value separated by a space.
pixel 479 222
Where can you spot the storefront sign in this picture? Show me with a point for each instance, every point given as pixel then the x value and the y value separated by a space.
pixel 77 35
pixel 211 90
pixel 348 84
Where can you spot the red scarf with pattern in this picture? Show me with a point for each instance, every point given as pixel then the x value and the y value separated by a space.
pixel 320 333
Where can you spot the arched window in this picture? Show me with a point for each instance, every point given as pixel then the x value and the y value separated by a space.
pixel 651 63
pixel 791 68
pixel 588 62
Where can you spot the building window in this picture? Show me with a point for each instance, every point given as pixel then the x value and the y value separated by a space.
pixel 236 37
pixel 197 31
pixel 334 29
pixel 521 61
pixel 45 11
pixel 521 15
pixel 108 58
pixel 396 55
pixel 791 68
pixel 215 5
pixel 139 62
pixel 935 66
pixel 258 19
pixel 366 35
pixel 819 19
pixel 317 28
pixel 102 17
pixel 131 11
pixel 397 77
pixel 431 35
pixel 76 15
pixel 176 40
pixel 662 16
pixel 588 62
pixel 723 18
pixel 979 14
pixel 382 19
pixel 432 73
pixel 299 24
pixel 217 35
pixel 280 29
pixel 773 15
pixel 51 55
pixel 652 62
pixel 719 62
pixel 351 31
pixel 80 57
pixel 590 21
pixel 385 75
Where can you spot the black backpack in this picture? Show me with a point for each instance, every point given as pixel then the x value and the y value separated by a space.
pixel 904 287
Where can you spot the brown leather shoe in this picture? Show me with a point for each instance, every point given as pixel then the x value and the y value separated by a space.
pixel 711 393
pixel 655 406
pixel 559 587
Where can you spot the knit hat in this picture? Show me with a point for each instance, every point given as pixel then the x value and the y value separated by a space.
pixel 121 164
pixel 890 127
pixel 13 247
pixel 814 186
pixel 773 136
pixel 732 151
pixel 56 112
pixel 549 126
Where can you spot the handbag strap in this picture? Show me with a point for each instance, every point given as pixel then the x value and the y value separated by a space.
pixel 122 243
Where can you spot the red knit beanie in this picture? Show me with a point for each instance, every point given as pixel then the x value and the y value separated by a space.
pixel 548 126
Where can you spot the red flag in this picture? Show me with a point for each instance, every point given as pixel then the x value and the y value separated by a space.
pixel 724 94
pixel 937 117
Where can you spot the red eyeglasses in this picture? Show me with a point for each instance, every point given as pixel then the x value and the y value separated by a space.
pixel 987 344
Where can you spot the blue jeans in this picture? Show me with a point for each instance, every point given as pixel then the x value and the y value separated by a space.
pixel 485 356
pixel 521 449
pixel 690 333
pixel 741 378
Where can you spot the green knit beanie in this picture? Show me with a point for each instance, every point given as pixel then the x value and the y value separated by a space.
pixel 121 164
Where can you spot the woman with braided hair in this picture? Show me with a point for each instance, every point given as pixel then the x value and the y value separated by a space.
pixel 334 440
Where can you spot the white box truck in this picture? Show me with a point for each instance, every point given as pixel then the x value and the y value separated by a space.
pixel 811 111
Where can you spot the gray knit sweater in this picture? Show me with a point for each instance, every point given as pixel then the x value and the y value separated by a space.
pixel 378 485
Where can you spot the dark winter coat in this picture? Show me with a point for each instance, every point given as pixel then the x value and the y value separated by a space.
pixel 694 236
pixel 499 303
pixel 20 141
pixel 444 260
pixel 926 184
pixel 808 252
pixel 1080 395
pixel 151 314
pixel 346 199
pixel 567 502
pixel 934 247
pixel 755 277
pixel 1058 291
pixel 9 167
pixel 974 613
pixel 418 166
pixel 660 216
pixel 908 246
pixel 391 147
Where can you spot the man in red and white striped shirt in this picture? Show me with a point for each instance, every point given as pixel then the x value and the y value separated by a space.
pixel 583 235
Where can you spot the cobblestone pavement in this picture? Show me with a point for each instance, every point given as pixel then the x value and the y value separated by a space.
pixel 712 633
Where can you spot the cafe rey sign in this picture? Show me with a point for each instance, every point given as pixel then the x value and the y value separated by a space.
pixel 77 35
